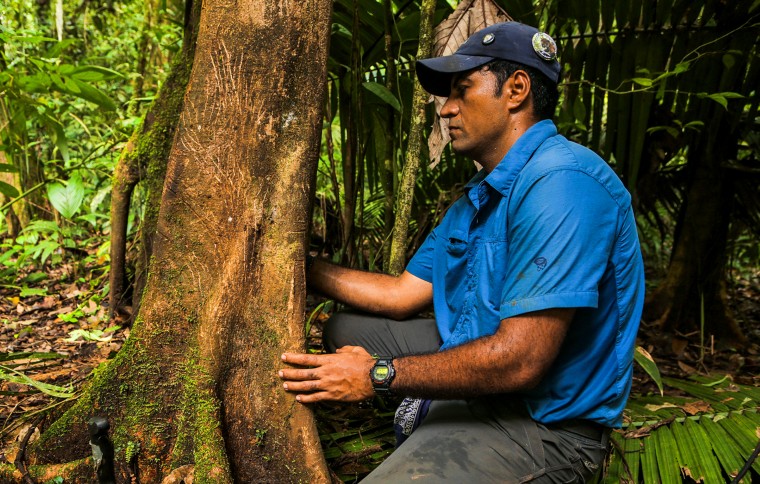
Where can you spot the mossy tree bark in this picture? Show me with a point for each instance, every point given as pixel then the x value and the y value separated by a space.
pixel 144 160
pixel 389 161
pixel 399 242
pixel 350 109
pixel 196 383
pixel 12 223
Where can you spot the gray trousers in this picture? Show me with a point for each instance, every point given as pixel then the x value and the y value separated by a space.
pixel 479 440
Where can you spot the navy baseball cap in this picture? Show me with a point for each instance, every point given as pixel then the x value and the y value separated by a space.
pixel 510 41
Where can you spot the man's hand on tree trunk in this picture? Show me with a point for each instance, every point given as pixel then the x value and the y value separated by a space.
pixel 342 376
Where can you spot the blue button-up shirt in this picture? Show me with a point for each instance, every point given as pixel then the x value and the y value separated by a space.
pixel 550 227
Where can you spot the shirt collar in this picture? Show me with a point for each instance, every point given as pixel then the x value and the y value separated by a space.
pixel 502 177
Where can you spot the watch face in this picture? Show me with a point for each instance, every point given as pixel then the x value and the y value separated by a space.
pixel 380 373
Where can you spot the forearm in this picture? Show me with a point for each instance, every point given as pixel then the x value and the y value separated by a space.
pixel 514 359
pixel 480 367
pixel 366 291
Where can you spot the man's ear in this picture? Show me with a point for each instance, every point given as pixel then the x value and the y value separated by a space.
pixel 518 89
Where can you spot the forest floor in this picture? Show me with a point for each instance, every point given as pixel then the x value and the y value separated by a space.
pixel 58 313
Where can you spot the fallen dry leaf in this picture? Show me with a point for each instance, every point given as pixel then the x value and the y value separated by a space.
pixel 469 17
pixel 689 370
pixel 49 302
pixel 653 408
pixel 694 408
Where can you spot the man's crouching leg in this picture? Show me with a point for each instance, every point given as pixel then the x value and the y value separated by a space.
pixel 491 439
pixel 381 336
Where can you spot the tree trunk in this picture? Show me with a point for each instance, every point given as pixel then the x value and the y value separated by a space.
pixel 389 162
pixel 350 110
pixel 696 275
pixel 144 159
pixel 196 383
pixel 12 223
pixel 31 177
pixel 144 51
pixel 413 152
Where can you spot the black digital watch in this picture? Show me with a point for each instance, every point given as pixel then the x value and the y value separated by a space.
pixel 382 374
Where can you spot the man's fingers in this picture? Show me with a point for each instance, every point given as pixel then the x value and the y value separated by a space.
pixel 298 375
pixel 302 386
pixel 346 349
pixel 313 397
pixel 335 377
pixel 302 359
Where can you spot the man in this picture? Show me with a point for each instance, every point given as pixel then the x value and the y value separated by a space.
pixel 536 279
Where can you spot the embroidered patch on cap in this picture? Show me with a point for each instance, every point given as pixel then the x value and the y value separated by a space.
pixel 544 46
pixel 488 39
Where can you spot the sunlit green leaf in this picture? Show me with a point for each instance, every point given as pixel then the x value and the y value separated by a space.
pixel 71 86
pixel 682 67
pixel 28 355
pixel 14 376
pixel 32 291
pixel 8 190
pixel 66 198
pixel 703 446
pixel 32 39
pixel 642 81
pixel 58 136
pixel 649 460
pixel 92 335
pixel 98 198
pixel 58 82
pixel 38 82
pixel 383 93
pixel 58 47
pixel 42 226
pixel 94 95
pixel 732 95
pixel 721 97
pixel 83 90
pixel 94 73
pixel 646 361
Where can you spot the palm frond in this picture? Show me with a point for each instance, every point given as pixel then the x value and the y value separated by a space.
pixel 706 436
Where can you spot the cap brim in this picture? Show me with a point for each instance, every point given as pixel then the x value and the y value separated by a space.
pixel 435 74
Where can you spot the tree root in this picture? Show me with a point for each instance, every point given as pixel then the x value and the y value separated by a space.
pixel 79 471
pixel 20 460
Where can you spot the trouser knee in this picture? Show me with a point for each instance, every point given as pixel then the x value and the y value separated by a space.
pixel 337 330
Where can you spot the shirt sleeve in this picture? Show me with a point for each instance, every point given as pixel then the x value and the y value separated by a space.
pixel 561 231
pixel 421 264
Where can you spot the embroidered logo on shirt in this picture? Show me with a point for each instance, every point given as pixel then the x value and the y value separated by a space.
pixel 540 263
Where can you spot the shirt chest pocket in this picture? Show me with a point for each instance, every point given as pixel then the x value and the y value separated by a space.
pixel 456 244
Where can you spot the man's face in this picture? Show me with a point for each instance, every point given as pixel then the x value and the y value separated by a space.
pixel 478 118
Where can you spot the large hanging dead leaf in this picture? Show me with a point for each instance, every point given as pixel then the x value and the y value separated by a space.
pixel 469 17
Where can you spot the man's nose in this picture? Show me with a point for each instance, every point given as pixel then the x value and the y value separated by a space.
pixel 449 109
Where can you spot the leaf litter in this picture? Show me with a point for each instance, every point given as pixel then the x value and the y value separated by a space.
pixel 41 363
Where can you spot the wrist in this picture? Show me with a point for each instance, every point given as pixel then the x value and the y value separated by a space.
pixel 382 375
